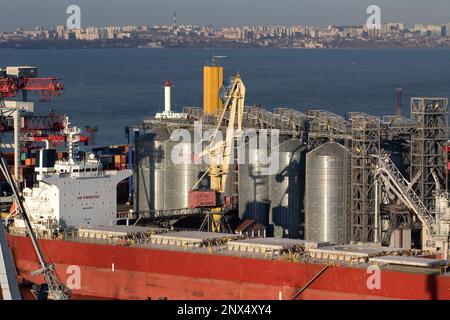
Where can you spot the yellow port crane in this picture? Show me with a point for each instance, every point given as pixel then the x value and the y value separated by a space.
pixel 220 152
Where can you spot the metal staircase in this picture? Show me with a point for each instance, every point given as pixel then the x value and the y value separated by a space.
pixel 391 176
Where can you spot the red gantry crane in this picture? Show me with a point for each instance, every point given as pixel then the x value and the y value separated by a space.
pixel 24 79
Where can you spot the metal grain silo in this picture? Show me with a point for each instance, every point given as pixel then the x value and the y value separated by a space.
pixel 149 170
pixel 287 189
pixel 327 197
pixel 253 182
pixel 180 175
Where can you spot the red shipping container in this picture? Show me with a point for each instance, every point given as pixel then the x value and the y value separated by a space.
pixel 202 199
pixel 229 201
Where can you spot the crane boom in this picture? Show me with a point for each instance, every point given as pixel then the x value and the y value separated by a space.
pixel 46 86
pixel 220 155
pixel 55 289
pixel 51 85
pixel 220 152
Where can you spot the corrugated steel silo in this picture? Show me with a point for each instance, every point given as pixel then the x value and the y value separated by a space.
pixel 253 183
pixel 287 189
pixel 149 170
pixel 180 176
pixel 327 197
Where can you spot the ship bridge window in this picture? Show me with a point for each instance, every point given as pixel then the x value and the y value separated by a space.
pixel 88 170
pixel 75 170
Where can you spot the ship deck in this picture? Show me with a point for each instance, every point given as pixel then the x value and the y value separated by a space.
pixel 289 250
pixel 191 265
pixel 232 245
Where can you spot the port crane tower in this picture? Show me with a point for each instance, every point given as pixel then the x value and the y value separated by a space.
pixel 220 153
pixel 34 128
pixel 45 87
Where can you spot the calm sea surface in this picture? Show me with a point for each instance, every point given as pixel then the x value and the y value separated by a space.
pixel 113 88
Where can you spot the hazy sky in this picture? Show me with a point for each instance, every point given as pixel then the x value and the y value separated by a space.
pixel 30 13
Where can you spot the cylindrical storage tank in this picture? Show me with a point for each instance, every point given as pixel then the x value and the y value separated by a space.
pixel 181 173
pixel 212 82
pixel 327 196
pixel 253 185
pixel 149 170
pixel 287 189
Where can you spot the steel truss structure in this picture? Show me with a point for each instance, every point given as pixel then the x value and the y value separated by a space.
pixel 429 146
pixel 324 126
pixel 424 133
pixel 366 132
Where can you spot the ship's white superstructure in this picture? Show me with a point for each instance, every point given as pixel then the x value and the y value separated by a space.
pixel 74 193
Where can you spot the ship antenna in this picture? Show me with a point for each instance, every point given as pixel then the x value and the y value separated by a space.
pixel 73 137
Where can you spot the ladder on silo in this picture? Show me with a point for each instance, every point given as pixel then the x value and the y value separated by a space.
pixel 8 273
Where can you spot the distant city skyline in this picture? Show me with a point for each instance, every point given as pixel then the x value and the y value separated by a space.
pixel 48 13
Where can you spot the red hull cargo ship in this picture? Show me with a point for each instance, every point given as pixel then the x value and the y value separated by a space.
pixel 164 268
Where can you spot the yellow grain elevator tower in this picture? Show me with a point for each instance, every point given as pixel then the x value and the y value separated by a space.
pixel 212 83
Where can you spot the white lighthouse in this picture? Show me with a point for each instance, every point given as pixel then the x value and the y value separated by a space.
pixel 167 96
pixel 167 113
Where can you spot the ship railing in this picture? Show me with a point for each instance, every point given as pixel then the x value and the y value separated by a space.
pixel 90 174
pixel 126 215
pixel 40 234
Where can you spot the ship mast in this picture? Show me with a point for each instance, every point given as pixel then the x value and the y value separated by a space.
pixel 73 137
